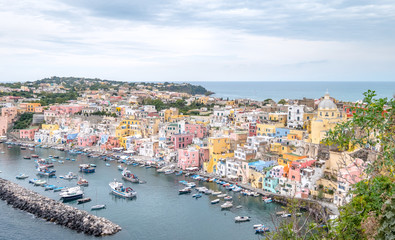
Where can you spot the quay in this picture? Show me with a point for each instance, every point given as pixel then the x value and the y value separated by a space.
pixel 53 211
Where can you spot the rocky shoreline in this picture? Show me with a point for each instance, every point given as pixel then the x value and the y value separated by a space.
pixel 53 211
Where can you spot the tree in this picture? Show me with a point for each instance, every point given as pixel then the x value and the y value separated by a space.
pixel 282 101
pixel 369 214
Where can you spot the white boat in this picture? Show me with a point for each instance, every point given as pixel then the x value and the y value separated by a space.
pixel 22 176
pixel 184 190
pixel 40 182
pixel 222 195
pixel 228 198
pixel 118 189
pixel 286 215
pixel 256 226
pixel 202 189
pixel 98 207
pixel 268 200
pixel 69 176
pixel 120 168
pixel 215 201
pixel 82 182
pixel 191 184
pixel 227 205
pixel 129 176
pixel 242 219
pixel 216 193
pixel 169 171
pixel 72 194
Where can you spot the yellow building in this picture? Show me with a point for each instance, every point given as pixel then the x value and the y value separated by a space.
pixel 295 134
pixel 203 100
pixel 219 147
pixel 50 127
pixel 278 117
pixel 267 129
pixel 288 158
pixel 128 127
pixel 307 118
pixel 327 117
pixel 168 113
pixel 280 149
pixel 29 107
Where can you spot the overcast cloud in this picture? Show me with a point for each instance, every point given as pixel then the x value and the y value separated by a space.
pixel 198 40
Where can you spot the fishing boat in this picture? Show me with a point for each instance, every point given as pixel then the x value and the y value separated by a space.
pixel 84 200
pixel 261 229
pixel 215 201
pixel 69 176
pixel 26 157
pixel 34 156
pixel 227 205
pixel 22 176
pixel 129 176
pixel 98 207
pixel 49 187
pixel 242 219
pixel 268 200
pixel 118 189
pixel 184 190
pixel 58 189
pixel 43 171
pixel 227 198
pixel 71 194
pixel 82 182
pixel 197 195
pixel 40 182
pixel 169 171
pixel 85 168
pixel 44 163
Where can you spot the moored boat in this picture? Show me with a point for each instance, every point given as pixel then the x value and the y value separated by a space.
pixel 22 176
pixel 40 182
pixel 227 198
pixel 227 205
pixel 118 189
pixel 197 195
pixel 34 156
pixel 84 200
pixel 43 171
pixel 215 201
pixel 129 176
pixel 82 182
pixel 98 207
pixel 184 190
pixel 242 219
pixel 85 168
pixel 72 194
pixel 69 176
pixel 26 157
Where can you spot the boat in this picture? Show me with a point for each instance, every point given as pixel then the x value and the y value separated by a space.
pixel 23 148
pixel 197 195
pixel 286 215
pixel 71 194
pixel 82 182
pixel 215 201
pixel 33 180
pixel 22 176
pixel 43 171
pixel 67 158
pixel 191 184
pixel 238 206
pixel 184 190
pixel 227 205
pixel 261 229
pixel 92 165
pixel 84 200
pixel 129 176
pixel 26 157
pixel 9 146
pixel 60 161
pixel 179 173
pixel 85 168
pixel 31 149
pixel 40 182
pixel 69 176
pixel 34 156
pixel 236 189
pixel 49 187
pixel 268 200
pixel 222 195
pixel 216 193
pixel 107 164
pixel 120 168
pixel 58 189
pixel 98 207
pixel 169 171
pixel 118 189
pixel 55 156
pixel 242 219
pixel 227 198
pixel 280 213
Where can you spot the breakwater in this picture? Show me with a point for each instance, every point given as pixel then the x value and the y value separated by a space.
pixel 53 211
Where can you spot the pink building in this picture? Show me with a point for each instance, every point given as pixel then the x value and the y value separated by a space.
pixel 204 154
pixel 188 158
pixel 28 134
pixel 198 130
pixel 67 109
pixel 111 143
pixel 277 171
pixel 87 141
pixel 181 140
pixel 297 166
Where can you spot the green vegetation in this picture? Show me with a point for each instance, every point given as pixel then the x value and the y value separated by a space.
pixel 184 87
pixel 371 212
pixel 53 98
pixel 282 101
pixel 24 121
pixel 180 104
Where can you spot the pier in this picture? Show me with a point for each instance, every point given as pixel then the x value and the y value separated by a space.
pixel 54 211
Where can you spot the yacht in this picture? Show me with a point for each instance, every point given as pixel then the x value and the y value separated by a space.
pixel 72 194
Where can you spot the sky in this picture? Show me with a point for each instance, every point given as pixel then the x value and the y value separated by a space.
pixel 198 40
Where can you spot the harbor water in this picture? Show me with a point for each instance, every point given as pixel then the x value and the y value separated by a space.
pixel 158 211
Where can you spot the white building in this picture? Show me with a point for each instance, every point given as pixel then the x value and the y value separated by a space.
pixel 295 116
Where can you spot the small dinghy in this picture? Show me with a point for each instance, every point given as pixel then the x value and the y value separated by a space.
pixel 242 219
pixel 215 201
pixel 98 207
pixel 84 200
pixel 22 176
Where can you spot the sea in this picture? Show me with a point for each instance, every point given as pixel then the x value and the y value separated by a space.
pixel 346 91
pixel 158 212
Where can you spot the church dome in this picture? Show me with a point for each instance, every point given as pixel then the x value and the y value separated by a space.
pixel 327 103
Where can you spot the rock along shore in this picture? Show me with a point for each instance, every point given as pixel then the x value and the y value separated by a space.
pixel 53 211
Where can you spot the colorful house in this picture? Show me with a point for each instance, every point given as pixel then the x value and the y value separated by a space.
pixel 28 134
pixel 198 131
pixel 219 147
pixel 181 140
pixel 188 158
